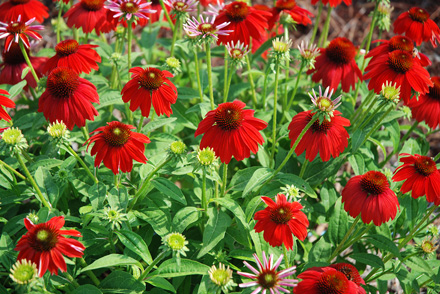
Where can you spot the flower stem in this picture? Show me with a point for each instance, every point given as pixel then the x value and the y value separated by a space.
pixel 287 69
pixel 85 132
pixel 315 28
pixel 365 101
pixel 225 79
pixel 347 235
pixel 274 118
pixel 286 257
pixel 91 275
pixel 129 44
pixel 361 124
pixel 266 75
pixel 204 198
pixel 89 173
pixel 303 168
pixel 175 32
pixel 28 62
pixel 11 169
pixel 150 267
pixel 167 15
pixel 323 38
pixel 225 179
pixel 226 93
pixel 373 129
pixel 32 181
pixel 141 122
pixel 251 80
pixel 71 279
pixel 208 62
pixel 298 77
pixel 58 21
pixel 199 84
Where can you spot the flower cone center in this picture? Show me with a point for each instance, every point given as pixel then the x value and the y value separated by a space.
pixel 374 182
pixel 129 7
pixel 285 4
pixel 207 28
pixel 400 61
pixel 67 47
pixel 418 14
pixel 16 2
pixel 341 51
pixel 237 11
pixel 267 279
pixel 350 272
pixel 319 127
pixel 236 53
pixel 425 165
pixel 116 134
pixel 44 240
pixel 281 215
pixel 16 28
pixel 400 43
pixel 180 6
pixel 92 5
pixel 62 82
pixel 220 276
pixel 332 283
pixel 151 78
pixel 14 55
pixel 176 242
pixel 228 117
pixel 434 92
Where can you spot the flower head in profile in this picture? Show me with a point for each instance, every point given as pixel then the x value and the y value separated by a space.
pixel 429 245
pixel 293 12
pixel 58 130
pixel 390 92
pixel 129 10
pixel 5 102
pixel 281 48
pixel 205 29
pixel 19 30
pixel 421 177
pixel 280 220
pixel 237 52
pixel 45 245
pixel 181 8
pixel 266 278
pixel 14 138
pixel 325 280
pixel 427 107
pixel 23 272
pixel 352 274
pixel 324 105
pixel 384 10
pixel 150 86
pixel 230 130
pixel 308 54
pixel 27 9
pixel 221 277
pixel 370 195
pixel 118 146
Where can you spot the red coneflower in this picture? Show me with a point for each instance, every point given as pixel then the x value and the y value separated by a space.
pixel 44 245
pixel 245 21
pixel 90 15
pixel 205 3
pixel 427 106
pixel 68 98
pixel 329 138
pixel 370 195
pixel 417 26
pixel 19 30
pixel 279 220
pixel 333 3
pixel 14 64
pixel 324 280
pixel 231 131
pixel 79 58
pixel 421 177
pixel 352 274
pixel 150 85
pixel 398 67
pixel 118 146
pixel 6 102
pixel 298 14
pixel 28 9
pixel 336 65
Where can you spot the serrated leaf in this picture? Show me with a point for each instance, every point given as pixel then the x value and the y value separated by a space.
pixel 170 269
pixel 258 177
pixel 320 251
pixel 135 243
pixel 111 260
pixel 47 185
pixel 357 163
pixel 338 224
pixel 169 189
pixel 384 243
pixel 368 259
pixel 215 230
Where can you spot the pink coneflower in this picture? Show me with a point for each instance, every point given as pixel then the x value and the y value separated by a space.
pixel 266 278
pixel 214 10
pixel 205 28
pixel 16 30
pixel 129 8
pixel 237 50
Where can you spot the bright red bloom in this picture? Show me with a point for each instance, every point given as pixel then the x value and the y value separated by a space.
pixel 14 63
pixel 256 43
pixel 206 3
pixel 28 9
pixel 427 106
pixel 150 85
pixel 90 15
pixel 231 131
pixel 245 21
pixel 352 274
pixel 398 43
pixel 6 102
pixel 298 14
pixel 417 26
pixel 279 220
pixel 370 194
pixel 118 146
pixel 398 67
pixel 333 3
pixel 44 245
pixel 421 176
pixel 324 280
pixel 19 30
pixel 68 98
pixel 336 65
pixel 329 138
pixel 79 58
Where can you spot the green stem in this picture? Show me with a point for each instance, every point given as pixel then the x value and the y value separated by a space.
pixel 174 37
pixel 225 98
pixel 365 101
pixel 286 257
pixel 28 62
pixel 32 181
pixel 324 35
pixel 274 118
pixel 373 129
pixel 90 274
pixel 116 181
pixel 347 235
pixel 251 81
pixel 208 62
pixel 167 15
pixel 89 173
pixel 298 77
pixel 71 279
pixel 11 169
pixel 362 123
pixel 85 132
pixel 110 240
pixel 363 114
pixel 266 75
pixel 199 84
pixel 303 168
pixel 150 267
pixel 141 122
pixel 204 198
pixel 151 119
pixel 59 21
pixel 286 79
pixel 225 79
pixel 358 237
pixel 129 45
pixel 316 26
pixel 225 179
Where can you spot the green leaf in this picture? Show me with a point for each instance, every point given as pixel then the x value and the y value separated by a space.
pixel 411 146
pixel 258 177
pixel 96 194
pixel 290 179
pixel 357 163
pixel 47 185
pixel 162 283
pixel 185 217
pixel 368 259
pixel 156 218
pixel 356 139
pixel 170 269
pixel 169 189
pixel 46 163
pixel 25 72
pixel 338 224
pixel 16 89
pixel 112 260
pixel 419 264
pixel 384 243
pixel 109 97
pixel 320 251
pixel 232 206
pixel 87 289
pixel 215 230
pixel 157 123
pixel 123 282
pixel 241 178
pixel 384 151
pixel 135 243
